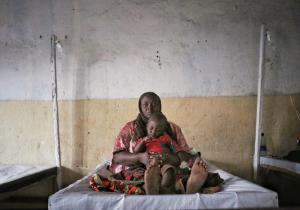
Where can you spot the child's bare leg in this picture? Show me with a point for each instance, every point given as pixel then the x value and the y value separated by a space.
pixel 152 180
pixel 168 182
pixel 197 177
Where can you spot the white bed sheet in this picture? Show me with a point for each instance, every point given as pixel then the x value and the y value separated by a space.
pixel 236 193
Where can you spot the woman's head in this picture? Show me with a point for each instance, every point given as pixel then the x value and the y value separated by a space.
pixel 149 103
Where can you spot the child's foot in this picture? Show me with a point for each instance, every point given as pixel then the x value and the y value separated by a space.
pixel 152 180
pixel 197 177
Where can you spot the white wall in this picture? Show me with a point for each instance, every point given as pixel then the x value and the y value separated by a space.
pixel 119 49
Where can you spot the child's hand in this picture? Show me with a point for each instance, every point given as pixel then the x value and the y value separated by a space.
pixel 146 139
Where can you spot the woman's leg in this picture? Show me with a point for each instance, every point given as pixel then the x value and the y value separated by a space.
pixel 197 177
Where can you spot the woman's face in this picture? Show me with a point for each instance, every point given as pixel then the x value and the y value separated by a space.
pixel 149 105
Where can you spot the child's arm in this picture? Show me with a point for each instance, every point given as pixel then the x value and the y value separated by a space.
pixel 140 147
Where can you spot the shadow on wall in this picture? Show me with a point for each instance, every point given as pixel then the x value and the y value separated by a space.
pixel 73 141
pixel 69 176
pixel 280 124
pixel 78 129
pixel 231 168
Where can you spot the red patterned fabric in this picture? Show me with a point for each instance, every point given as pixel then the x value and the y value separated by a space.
pixel 129 182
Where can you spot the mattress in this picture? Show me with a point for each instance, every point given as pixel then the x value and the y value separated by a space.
pixel 280 163
pixel 16 177
pixel 236 193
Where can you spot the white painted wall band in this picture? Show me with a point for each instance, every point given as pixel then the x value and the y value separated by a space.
pixel 122 50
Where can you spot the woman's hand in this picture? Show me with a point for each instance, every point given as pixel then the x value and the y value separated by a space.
pixel 164 158
pixel 172 159
pixel 151 159
pixel 144 158
pixel 157 159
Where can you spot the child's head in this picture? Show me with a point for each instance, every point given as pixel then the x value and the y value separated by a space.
pixel 157 125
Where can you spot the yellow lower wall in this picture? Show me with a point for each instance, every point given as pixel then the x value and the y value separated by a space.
pixel 26 132
pixel 222 128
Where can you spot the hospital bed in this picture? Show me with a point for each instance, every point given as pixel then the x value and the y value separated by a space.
pixel 24 185
pixel 282 176
pixel 236 193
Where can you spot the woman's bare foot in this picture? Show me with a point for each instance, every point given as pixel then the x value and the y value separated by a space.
pixel 152 180
pixel 197 177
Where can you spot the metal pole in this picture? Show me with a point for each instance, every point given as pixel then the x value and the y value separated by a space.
pixel 55 111
pixel 259 103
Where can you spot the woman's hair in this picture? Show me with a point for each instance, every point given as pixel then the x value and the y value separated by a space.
pixel 140 130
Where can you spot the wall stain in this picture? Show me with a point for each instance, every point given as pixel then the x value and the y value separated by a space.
pixel 158 60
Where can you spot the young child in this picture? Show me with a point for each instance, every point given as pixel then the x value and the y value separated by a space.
pixel 158 178
pixel 161 179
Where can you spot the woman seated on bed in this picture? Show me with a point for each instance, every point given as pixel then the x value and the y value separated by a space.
pixel 126 172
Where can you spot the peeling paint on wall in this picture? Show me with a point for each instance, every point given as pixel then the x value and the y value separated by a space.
pixel 203 48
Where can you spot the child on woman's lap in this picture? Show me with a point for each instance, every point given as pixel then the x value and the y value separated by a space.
pixel 159 178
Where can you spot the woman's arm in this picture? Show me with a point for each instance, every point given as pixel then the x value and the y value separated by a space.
pixel 181 141
pixel 127 158
pixel 121 154
pixel 184 156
